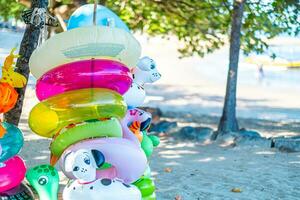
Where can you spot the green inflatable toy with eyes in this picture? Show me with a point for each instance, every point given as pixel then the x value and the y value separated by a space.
pixel 45 180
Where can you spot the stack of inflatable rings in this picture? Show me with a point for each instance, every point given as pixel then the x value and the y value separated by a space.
pixel 81 76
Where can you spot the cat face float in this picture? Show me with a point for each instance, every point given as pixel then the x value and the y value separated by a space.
pixel 145 72
pixel 84 163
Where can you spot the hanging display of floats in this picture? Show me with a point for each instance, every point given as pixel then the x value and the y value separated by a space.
pixel 90 81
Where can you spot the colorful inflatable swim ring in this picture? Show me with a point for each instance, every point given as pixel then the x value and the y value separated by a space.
pixel 92 73
pixel 128 160
pixel 130 130
pixel 8 97
pixel 85 43
pixel 83 16
pixel 11 142
pixel 12 173
pixel 107 128
pixel 51 115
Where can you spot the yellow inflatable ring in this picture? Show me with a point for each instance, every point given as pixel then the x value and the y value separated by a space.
pixel 51 115
pixel 85 43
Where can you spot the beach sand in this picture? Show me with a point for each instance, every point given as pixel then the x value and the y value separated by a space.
pixel 191 171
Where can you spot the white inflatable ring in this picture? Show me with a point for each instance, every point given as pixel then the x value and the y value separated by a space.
pixel 85 43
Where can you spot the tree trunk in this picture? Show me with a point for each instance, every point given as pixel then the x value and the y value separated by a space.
pixel 28 44
pixel 228 122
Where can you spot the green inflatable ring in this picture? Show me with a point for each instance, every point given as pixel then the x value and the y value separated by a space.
pixel 107 128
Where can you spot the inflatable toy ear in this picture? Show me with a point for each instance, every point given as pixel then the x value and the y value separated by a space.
pixel 69 159
pixel 98 157
pixel 146 124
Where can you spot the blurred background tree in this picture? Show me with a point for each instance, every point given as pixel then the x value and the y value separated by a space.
pixel 10 9
pixel 203 26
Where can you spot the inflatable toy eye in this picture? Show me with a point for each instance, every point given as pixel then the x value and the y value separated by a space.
pixel 153 66
pixel 43 180
pixel 75 169
pixel 87 161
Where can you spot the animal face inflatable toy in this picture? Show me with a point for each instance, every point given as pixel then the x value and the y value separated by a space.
pixel 134 122
pixel 135 96
pixel 83 164
pixel 145 72
pixel 101 190
pixel 45 180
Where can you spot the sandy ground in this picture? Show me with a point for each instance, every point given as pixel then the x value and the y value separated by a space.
pixel 191 171
pixel 196 172
pixel 211 172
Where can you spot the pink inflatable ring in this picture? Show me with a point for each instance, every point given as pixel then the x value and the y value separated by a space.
pixel 93 73
pixel 12 173
pixel 127 159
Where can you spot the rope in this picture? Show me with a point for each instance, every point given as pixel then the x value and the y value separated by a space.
pixel 95 13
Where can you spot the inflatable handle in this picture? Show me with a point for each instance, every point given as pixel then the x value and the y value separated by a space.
pixel 55 113
pixel 45 180
pixel 147 187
